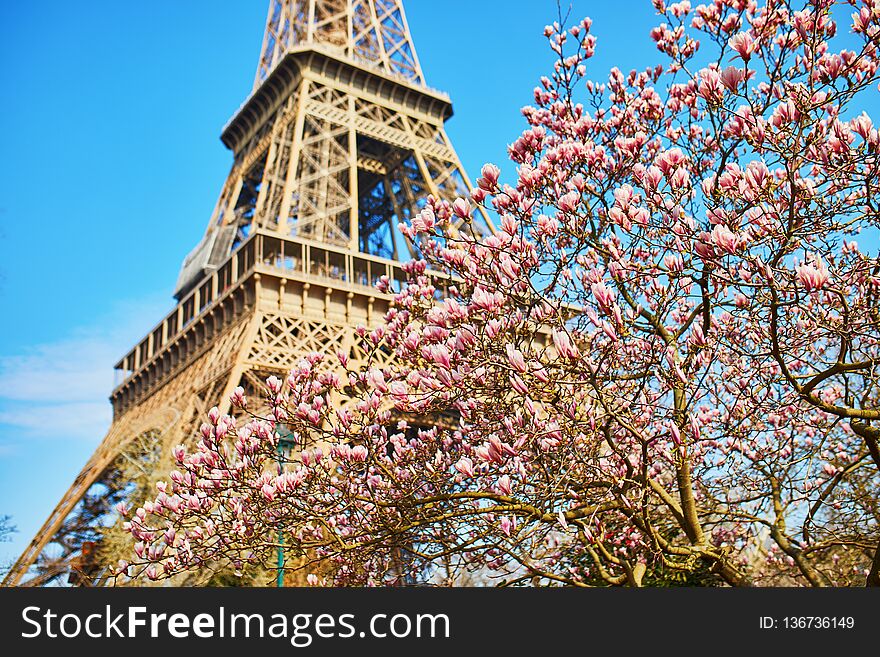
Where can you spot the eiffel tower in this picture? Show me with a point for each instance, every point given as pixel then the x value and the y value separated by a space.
pixel 338 142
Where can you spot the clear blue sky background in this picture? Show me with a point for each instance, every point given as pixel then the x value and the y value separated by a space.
pixel 111 162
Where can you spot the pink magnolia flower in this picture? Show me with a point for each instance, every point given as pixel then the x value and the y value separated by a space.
pixel 564 346
pixel 489 179
pixel 515 358
pixel 680 178
pixel 424 220
pixel 376 379
pixel 509 224
pixel 724 238
pixel 864 127
pixel 485 300
pixel 731 77
pixel 653 176
pixel 508 267
pixel 461 208
pixel 568 202
pixel 862 20
pixel 604 296
pixel 440 355
pixel 697 337
pixel 668 161
pixel 518 384
pixel 623 195
pixel 465 466
pixel 743 44
pixel 757 174
pixel 711 85
pixel 214 415
pixel 673 262
pixel 675 433
pixel 813 276
pixel 679 9
pixel 548 226
pixel 639 216
pixel 563 521
pixel 237 398
pixel 608 330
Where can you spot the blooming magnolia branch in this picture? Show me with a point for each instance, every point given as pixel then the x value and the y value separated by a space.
pixel 662 366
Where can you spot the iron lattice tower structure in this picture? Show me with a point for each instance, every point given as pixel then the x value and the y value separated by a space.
pixel 338 142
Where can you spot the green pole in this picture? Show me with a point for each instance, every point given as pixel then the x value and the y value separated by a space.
pixel 280 578
pixel 283 441
pixel 280 582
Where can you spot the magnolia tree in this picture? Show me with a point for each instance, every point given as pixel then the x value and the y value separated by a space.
pixel 661 367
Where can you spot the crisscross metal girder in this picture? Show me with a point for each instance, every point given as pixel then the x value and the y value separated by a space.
pixel 381 131
pixel 372 32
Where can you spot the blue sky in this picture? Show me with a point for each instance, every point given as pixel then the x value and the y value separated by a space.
pixel 111 115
